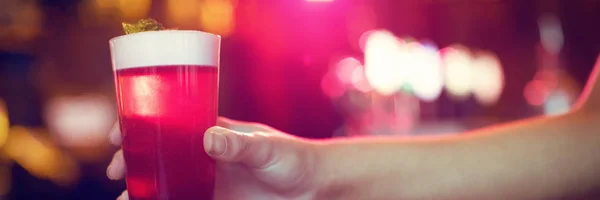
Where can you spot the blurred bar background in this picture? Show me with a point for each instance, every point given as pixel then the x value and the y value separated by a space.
pixel 314 68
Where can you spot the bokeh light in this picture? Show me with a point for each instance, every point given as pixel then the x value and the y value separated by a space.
pixel 24 21
pixel 37 154
pixel 350 73
pixel 488 78
pixel 4 123
pixel 557 103
pixel 457 71
pixel 359 80
pixel 134 9
pixel 345 69
pixel 80 120
pixel 426 77
pixel 216 16
pixel 183 13
pixel 362 40
pixel 536 92
pixel 384 56
pixel 111 11
pixel 543 84
pixel 551 34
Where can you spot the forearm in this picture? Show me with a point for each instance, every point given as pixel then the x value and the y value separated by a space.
pixel 533 159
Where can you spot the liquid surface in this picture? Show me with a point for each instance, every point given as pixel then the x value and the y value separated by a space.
pixel 164 111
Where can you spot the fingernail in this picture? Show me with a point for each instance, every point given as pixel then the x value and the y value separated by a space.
pixel 113 139
pixel 123 196
pixel 113 136
pixel 218 145
pixel 108 172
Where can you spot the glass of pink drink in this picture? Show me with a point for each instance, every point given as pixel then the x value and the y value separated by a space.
pixel 167 91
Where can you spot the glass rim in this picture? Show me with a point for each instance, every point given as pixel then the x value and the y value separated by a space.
pixel 201 33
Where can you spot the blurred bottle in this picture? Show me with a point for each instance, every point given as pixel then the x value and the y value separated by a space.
pixel 552 90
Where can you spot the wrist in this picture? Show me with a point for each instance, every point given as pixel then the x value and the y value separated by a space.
pixel 336 172
pixel 375 169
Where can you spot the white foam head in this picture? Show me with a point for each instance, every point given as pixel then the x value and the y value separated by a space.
pixel 169 47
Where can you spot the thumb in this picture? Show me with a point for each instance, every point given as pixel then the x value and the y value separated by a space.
pixel 242 126
pixel 254 150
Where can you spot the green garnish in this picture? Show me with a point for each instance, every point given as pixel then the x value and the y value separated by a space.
pixel 142 25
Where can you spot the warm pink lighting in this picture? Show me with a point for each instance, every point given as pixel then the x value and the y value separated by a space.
pixel 331 86
pixel 319 0
pixel 360 19
pixel 536 92
pixel 359 81
pixel 345 69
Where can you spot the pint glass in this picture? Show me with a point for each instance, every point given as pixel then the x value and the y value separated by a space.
pixel 167 90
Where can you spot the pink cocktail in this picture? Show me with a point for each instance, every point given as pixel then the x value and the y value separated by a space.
pixel 167 93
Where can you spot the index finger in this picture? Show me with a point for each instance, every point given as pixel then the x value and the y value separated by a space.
pixel 114 136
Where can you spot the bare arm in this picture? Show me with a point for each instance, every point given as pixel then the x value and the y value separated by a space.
pixel 535 159
pixel 542 158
